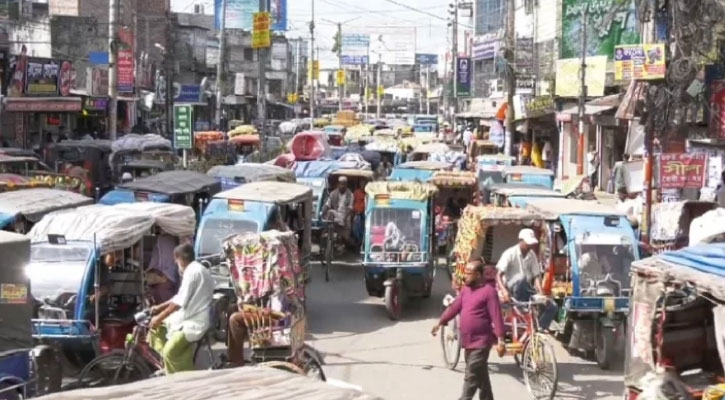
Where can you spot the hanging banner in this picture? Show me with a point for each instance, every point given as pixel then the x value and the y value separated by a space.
pixel 42 77
pixel 355 48
pixel 682 170
pixel 485 50
pixel 568 82
pixel 463 76
pixel 639 62
pixel 239 14
pixel 183 122
pixel 261 37
pixel 278 12
pixel 609 23
pixel 340 77
pixel 125 61
pixel 315 70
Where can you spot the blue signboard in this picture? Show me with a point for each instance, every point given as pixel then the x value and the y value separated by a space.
pixel 426 59
pixel 463 76
pixel 355 49
pixel 239 14
pixel 188 94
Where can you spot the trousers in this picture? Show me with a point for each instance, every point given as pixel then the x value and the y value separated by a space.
pixel 178 353
pixel 522 291
pixel 476 377
pixel 236 336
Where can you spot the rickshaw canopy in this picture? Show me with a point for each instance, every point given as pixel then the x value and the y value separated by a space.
pixel 250 172
pixel 136 142
pixel 116 227
pixel 363 173
pixel 174 183
pixel 401 190
pixel 454 179
pixel 315 169
pixel 495 159
pixel 554 208
pixel 16 305
pixel 513 189
pixel 426 165
pixel 526 170
pixel 427 148
pixel 268 192
pixel 32 204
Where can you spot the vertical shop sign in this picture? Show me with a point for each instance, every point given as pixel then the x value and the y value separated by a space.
pixel 125 61
pixel 182 127
pixel 463 77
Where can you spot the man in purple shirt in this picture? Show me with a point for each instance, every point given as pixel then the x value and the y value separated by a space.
pixel 481 325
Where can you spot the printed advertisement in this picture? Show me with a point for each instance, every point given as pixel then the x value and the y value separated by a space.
pixel 261 37
pixel 239 14
pixel 355 48
pixel 682 170
pixel 42 77
pixel 463 76
pixel 642 62
pixel 609 23
pixel 567 76
pixel 125 61
pixel 183 122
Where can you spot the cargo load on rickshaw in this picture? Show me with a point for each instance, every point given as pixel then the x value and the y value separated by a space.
pixel 133 146
pixel 676 325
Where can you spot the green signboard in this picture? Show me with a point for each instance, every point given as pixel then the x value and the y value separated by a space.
pixel 183 123
pixel 609 23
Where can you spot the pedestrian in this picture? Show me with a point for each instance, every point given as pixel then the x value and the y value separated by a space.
pixel 481 327
pixel 547 155
pixel 467 136
pixel 721 191
pixel 593 168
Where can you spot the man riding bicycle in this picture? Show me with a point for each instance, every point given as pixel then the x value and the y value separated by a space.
pixel 338 209
pixel 184 319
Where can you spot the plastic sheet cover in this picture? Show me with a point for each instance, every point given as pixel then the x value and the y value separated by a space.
pixel 34 203
pixel 136 142
pixel 315 169
pixel 708 227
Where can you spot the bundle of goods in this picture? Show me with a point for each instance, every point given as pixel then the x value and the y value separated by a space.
pixel 201 139
pixel 136 142
pixel 242 130
pixel 308 146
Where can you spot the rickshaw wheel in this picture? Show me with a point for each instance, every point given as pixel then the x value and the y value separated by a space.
pixel 451 344
pixel 49 371
pixel 604 348
pixel 113 370
pixel 392 301
pixel 541 374
pixel 313 369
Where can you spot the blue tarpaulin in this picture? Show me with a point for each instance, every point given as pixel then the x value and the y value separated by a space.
pixel 6 219
pixel 315 169
pixel 706 258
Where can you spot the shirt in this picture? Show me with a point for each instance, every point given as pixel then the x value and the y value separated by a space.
pixel 480 311
pixel 547 152
pixel 342 203
pixel 467 137
pixel 358 201
pixel 194 297
pixel 516 267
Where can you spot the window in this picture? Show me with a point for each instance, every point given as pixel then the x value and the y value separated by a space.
pixel 489 16
pixel 248 54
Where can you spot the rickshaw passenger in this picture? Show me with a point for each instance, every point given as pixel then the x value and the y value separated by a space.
pixel 162 274
pixel 519 274
pixel 358 209
pixel 393 240
pixel 339 208
pixel 185 317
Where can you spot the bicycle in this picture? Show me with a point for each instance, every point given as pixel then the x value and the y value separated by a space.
pixel 137 361
pixel 329 239
pixel 529 347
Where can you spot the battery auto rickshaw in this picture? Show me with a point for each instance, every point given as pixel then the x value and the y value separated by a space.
pixel 529 175
pixel 232 176
pixel 418 171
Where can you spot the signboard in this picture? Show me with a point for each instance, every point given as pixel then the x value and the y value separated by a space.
pixel 524 62
pixel 187 93
pixel 394 46
pixel 95 103
pixel 355 49
pixel 261 37
pixel 18 69
pixel 22 105
pixel 567 76
pixel 315 70
pixel 239 14
pixel 463 76
pixel 63 7
pixel 426 59
pixel 292 98
pixel 42 77
pixel 682 170
pixel 485 50
pixel 609 23
pixel 340 77
pixel 717 107
pixel 527 106
pixel 182 127
pixel 641 62
pixel 125 61
pixel 381 90
pixel 239 84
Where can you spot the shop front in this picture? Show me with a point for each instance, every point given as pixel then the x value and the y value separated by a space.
pixel 33 118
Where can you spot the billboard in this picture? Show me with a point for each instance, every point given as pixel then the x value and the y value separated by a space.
pixel 393 46
pixel 239 14
pixel 463 76
pixel 126 77
pixel 641 61
pixel 609 23
pixel 355 48
pixel 426 59
pixel 567 76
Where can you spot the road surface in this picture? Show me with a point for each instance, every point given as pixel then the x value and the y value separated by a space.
pixel 400 360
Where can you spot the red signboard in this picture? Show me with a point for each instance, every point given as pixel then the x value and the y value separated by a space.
pixel 125 61
pixel 20 105
pixel 680 171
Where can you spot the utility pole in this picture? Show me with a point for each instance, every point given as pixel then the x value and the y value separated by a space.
pixel 510 44
pixel 339 63
pixel 367 80
pixel 220 68
pixel 377 88
pixel 455 60
pixel 582 94
pixel 297 75
pixel 262 87
pixel 427 89
pixel 312 66
pixel 169 63
pixel 113 8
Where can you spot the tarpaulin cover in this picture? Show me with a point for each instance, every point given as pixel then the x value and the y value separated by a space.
pixel 708 227
pixel 308 146
pixel 288 127
pixel 118 196
pixel 315 169
pixel 383 144
pixel 451 157
pixel 252 172
pixel 709 258
pixel 268 192
pixel 16 307
pixel 246 383
pixel 34 203
pixel 136 142
pixel 402 190
pixel 175 182
pixel 353 161
pixel 115 227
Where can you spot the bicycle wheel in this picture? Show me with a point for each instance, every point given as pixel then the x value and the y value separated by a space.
pixel 283 366
pixel 451 344
pixel 329 249
pixel 541 373
pixel 113 369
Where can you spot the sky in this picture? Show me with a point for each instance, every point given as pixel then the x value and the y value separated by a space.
pixel 357 16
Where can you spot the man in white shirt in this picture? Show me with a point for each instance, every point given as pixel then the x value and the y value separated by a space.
pixel 467 136
pixel 185 317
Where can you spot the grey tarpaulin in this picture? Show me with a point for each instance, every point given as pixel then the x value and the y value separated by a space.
pixel 252 172
pixel 34 203
pixel 16 307
pixel 175 182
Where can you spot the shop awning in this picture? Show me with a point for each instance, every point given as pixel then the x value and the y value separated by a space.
pixel 43 104
pixel 594 107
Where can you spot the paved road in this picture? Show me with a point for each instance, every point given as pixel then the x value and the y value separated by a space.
pixel 400 360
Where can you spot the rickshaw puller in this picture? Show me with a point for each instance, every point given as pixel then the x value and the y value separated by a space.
pixel 481 325
pixel 185 317
pixel 519 274
pixel 339 208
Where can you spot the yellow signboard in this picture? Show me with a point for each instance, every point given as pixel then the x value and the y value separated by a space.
pixel 261 37
pixel 340 77
pixel 639 61
pixel 381 90
pixel 292 98
pixel 568 83
pixel 315 70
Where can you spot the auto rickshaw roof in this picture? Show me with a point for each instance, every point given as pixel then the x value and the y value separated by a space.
pixel 268 192
pixel 428 148
pixel 527 169
pixel 137 142
pixel 245 139
pixel 502 215
pixel 115 227
pixel 252 172
pixel 16 306
pixel 508 189
pixel 364 173
pixel 497 157
pixel 402 190
pixel 100 144
pixel 11 159
pixel 701 267
pixel 34 203
pixel 17 152
pixel 428 165
pixel 144 163
pixel 552 208
pixel 175 182
pixel 454 179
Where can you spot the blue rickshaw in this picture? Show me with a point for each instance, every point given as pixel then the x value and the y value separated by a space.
pixel 418 171
pixel 25 370
pixel 590 247
pixel 518 195
pixel 399 245
pixel 529 175
pixel 232 176
pixel 313 174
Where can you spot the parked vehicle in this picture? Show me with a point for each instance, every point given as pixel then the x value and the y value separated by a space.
pixel 398 257
pixel 518 195
pixel 91 155
pixel 529 175
pixel 19 210
pixel 141 147
pixel 335 134
pixel 420 171
pixel 232 176
pixel 456 189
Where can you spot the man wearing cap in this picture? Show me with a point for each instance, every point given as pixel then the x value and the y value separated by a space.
pixel 519 274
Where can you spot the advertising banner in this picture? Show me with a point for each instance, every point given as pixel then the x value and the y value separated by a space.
pixel 355 48
pixel 641 62
pixel 315 70
pixel 485 50
pixel 42 77
pixel 239 84
pixel 568 82
pixel 239 14
pixel 183 122
pixel 125 61
pixel 426 59
pixel 261 37
pixel 394 46
pixel 340 77
pixel 682 171
pixel 463 76
pixel 278 12
pixel 609 23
